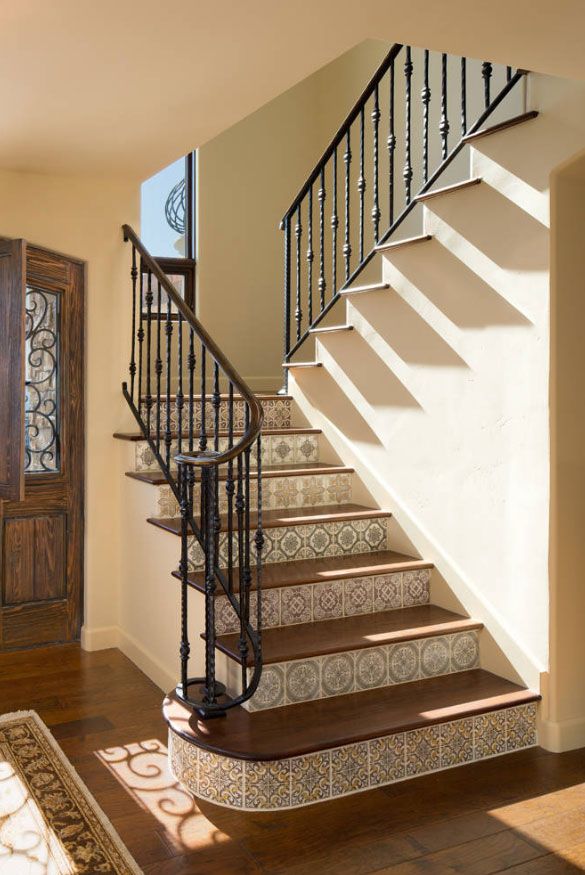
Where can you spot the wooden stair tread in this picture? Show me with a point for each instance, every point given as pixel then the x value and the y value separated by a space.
pixel 407 241
pixel 306 469
pixel 261 396
pixel 302 364
pixel 319 638
pixel 138 436
pixel 306 571
pixel 501 126
pixel 299 516
pixel 447 189
pixel 321 724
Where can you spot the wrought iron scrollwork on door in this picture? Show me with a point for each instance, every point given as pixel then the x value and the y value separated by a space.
pixel 42 381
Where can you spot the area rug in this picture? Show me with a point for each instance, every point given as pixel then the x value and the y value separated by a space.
pixel 49 821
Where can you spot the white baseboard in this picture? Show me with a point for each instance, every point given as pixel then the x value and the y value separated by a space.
pixel 563 736
pixel 112 636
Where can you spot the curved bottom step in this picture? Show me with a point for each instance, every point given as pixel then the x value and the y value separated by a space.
pixel 315 751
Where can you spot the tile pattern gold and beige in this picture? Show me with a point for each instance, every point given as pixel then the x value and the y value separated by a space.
pixel 49 821
pixel 277 414
pixel 285 543
pixel 277 449
pixel 277 492
pixel 307 603
pixel 330 774
pixel 301 680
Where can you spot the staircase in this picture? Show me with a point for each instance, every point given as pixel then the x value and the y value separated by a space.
pixel 328 669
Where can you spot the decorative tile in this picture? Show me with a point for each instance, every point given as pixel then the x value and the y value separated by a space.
pixel 349 769
pixel 371 668
pixel 303 680
pixel 521 727
pixel 327 600
pixel 337 674
pixel 375 535
pixel 318 538
pixel 387 759
pixel 296 605
pixel 310 778
pixel 306 448
pixel 271 689
pixel 270 607
pixel 358 596
pixel 387 592
pixel 347 537
pixel 423 750
pixel 403 663
pixel 312 490
pixel 226 619
pixel 464 651
pixel 434 656
pixel 267 784
pixel 457 742
pixel 221 779
pixel 416 587
pixel 489 731
pixel 291 543
pixel 338 488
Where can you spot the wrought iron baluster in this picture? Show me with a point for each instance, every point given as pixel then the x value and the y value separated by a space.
pixel 247 571
pixel 298 235
pixel 185 648
pixel 463 96
pixel 444 123
pixel 347 243
pixel 408 172
pixel 259 544
pixel 310 257
pixel 508 74
pixel 180 399
pixel 376 214
pixel 230 489
pixel 216 423
pixel 168 422
pixel 140 336
pixel 132 368
pixel 426 99
pixel 322 282
pixel 208 490
pixel 361 187
pixel 240 506
pixel 391 146
pixel 148 402
pixel 203 402
pixel 158 366
pixel 191 364
pixel 287 291
pixel 486 72
pixel 334 225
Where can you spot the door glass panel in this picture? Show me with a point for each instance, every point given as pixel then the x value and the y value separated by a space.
pixel 162 223
pixel 42 381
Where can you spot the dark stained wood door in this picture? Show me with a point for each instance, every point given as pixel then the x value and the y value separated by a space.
pixel 41 545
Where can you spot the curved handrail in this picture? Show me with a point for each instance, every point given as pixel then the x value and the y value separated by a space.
pixel 254 427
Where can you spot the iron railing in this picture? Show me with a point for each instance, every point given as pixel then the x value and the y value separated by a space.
pixel 333 244
pixel 203 444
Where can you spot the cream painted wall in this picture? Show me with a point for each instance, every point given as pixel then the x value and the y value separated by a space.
pixel 82 217
pixel 248 176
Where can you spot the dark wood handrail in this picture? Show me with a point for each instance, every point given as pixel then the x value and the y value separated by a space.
pixel 254 428
pixel 348 120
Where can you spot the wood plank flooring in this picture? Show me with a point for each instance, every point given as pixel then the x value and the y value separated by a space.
pixel 523 814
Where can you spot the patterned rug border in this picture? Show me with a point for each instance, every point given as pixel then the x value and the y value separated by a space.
pixel 80 784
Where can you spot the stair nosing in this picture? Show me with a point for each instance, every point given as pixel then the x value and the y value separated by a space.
pixel 501 126
pixel 448 189
pixel 322 470
pixel 361 702
pixel 330 329
pixel 134 437
pixel 408 241
pixel 408 633
pixel 302 364
pixel 368 287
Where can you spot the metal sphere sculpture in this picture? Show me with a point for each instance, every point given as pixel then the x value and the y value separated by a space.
pixel 175 207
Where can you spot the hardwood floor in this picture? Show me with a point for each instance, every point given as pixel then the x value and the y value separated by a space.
pixel 524 813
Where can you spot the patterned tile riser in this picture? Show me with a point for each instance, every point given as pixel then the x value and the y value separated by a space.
pixel 277 449
pixel 283 543
pixel 277 414
pixel 277 492
pixel 316 777
pixel 287 606
pixel 320 677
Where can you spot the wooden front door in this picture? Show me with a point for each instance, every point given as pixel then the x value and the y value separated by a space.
pixel 41 462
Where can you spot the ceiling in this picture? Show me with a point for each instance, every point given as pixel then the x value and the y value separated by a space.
pixel 125 87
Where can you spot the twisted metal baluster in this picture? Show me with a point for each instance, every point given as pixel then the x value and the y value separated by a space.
pixel 347 244
pixel 191 364
pixel 203 402
pixel 184 648
pixel 208 478
pixel 168 432
pixel 149 300
pixel 310 257
pixel 426 99
pixel 463 96
pixel 259 544
pixel 486 72
pixel 361 186
pixel 298 234
pixel 508 74
pixel 240 504
pixel 230 489
pixel 180 398
pixel 444 123
pixel 334 226
pixel 287 292
pixel 132 368
pixel 322 282
pixel 376 214
pixel 216 412
pixel 247 571
pixel 408 172
pixel 158 367
pixel 391 147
